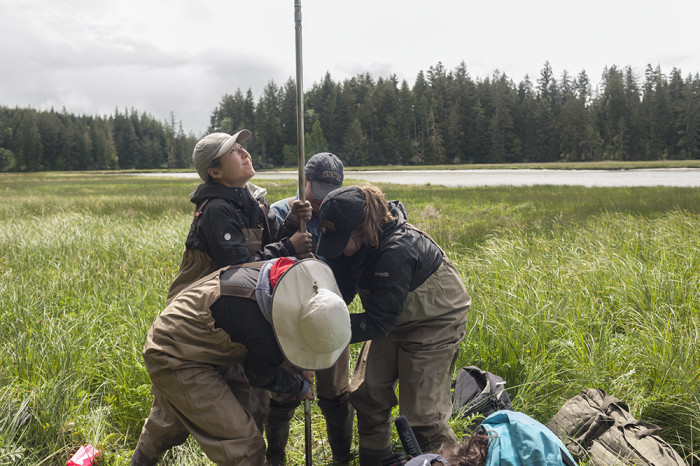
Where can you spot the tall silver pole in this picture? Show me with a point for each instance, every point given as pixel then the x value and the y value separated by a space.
pixel 302 191
pixel 300 107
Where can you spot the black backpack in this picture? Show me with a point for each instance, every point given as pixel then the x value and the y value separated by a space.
pixel 476 391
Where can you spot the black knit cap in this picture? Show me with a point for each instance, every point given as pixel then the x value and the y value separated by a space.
pixel 341 212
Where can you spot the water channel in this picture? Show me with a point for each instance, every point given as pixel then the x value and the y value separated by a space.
pixel 679 177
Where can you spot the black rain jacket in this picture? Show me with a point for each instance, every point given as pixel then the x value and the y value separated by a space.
pixel 383 276
pixel 218 230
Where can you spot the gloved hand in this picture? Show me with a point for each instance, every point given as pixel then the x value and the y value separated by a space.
pixel 301 211
pixel 307 389
pixel 301 242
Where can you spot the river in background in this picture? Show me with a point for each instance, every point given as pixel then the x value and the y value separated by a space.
pixel 680 177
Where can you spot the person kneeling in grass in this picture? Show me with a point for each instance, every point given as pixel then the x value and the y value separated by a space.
pixel 255 315
pixel 504 438
pixel 233 224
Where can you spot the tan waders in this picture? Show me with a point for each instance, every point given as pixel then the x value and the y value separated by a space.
pixel 188 359
pixel 419 355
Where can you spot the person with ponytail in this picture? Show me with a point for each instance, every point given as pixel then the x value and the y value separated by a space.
pixel 415 309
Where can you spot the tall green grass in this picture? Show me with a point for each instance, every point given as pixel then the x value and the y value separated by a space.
pixel 571 287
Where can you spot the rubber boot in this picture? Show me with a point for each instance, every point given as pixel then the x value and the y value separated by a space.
pixel 139 459
pixel 339 420
pixel 369 457
pixel 277 434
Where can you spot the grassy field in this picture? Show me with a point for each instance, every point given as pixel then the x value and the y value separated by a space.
pixel 571 287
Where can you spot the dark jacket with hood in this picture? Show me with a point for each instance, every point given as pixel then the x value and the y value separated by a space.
pixel 383 276
pixel 219 229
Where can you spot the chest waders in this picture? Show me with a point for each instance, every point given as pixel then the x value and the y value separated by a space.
pixel 418 354
pixel 191 362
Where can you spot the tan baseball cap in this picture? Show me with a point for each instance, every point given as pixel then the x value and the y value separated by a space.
pixel 211 147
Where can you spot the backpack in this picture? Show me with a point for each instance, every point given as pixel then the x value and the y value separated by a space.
pixel 476 391
pixel 599 428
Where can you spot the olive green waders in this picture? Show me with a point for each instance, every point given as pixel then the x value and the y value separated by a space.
pixel 419 355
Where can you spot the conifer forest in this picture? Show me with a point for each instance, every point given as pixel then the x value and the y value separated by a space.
pixel 444 117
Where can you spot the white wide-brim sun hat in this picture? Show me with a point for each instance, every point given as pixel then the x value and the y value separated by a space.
pixel 309 316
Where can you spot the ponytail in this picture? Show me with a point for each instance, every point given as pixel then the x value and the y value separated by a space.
pixel 376 215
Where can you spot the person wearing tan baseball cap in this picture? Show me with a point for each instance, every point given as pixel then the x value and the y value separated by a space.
pixel 232 223
pixel 211 147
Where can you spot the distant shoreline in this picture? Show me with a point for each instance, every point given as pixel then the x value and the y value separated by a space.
pixel 677 177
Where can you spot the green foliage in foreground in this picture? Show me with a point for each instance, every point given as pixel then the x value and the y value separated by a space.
pixel 571 287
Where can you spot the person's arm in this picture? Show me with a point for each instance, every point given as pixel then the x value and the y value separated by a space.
pixel 284 239
pixel 262 365
pixel 281 208
pixel 222 230
pixel 242 320
pixel 342 268
pixel 383 287
pixel 289 212
pixel 298 243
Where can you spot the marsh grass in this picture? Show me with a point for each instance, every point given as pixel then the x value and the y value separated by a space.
pixel 571 288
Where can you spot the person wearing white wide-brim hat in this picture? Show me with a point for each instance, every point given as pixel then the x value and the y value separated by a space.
pixel 256 315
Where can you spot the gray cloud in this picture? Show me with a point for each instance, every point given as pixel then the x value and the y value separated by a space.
pixel 162 56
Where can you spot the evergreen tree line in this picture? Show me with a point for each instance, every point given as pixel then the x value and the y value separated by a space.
pixel 445 118
pixel 31 140
pixel 448 118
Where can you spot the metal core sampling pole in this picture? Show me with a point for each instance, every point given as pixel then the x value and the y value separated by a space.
pixel 302 192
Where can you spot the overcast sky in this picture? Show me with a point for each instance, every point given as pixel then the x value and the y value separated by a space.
pixel 182 56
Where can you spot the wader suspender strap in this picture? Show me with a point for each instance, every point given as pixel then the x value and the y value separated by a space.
pixel 241 291
pixel 408 225
pixel 265 210
pixel 199 209
pixel 198 212
pixel 566 460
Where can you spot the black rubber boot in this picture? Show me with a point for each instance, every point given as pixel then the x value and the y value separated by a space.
pixel 369 457
pixel 339 420
pixel 277 434
pixel 139 459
